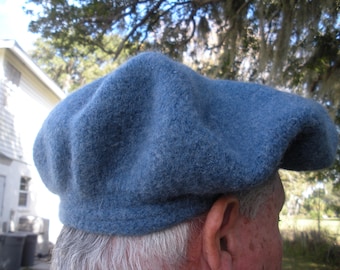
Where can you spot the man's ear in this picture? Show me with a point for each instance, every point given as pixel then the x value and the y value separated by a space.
pixel 220 221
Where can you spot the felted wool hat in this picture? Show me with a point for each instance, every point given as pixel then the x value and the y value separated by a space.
pixel 154 144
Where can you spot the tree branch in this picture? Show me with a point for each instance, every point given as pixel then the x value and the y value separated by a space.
pixel 133 30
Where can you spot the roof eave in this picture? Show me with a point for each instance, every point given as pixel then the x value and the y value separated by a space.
pixel 19 52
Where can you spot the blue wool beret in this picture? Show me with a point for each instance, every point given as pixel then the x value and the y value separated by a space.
pixel 154 144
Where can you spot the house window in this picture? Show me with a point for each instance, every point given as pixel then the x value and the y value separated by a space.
pixel 12 74
pixel 23 191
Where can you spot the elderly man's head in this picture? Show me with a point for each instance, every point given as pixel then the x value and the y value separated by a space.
pixel 158 167
pixel 240 231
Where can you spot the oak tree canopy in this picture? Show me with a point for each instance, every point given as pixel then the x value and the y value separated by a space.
pixel 283 43
pixel 288 44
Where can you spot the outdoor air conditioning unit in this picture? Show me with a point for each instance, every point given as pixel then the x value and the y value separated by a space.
pixel 39 226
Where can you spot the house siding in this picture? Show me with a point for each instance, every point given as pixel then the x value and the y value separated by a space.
pixel 10 144
pixel 23 108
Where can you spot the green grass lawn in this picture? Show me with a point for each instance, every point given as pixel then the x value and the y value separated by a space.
pixel 307 248
pixel 301 263
pixel 331 226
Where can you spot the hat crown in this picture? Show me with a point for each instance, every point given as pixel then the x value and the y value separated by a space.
pixel 154 143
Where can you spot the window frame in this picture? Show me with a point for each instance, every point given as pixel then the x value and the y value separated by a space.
pixel 24 191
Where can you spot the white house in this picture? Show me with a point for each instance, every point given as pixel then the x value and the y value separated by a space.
pixel 27 95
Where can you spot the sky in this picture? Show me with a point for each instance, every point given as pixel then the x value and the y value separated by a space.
pixel 14 23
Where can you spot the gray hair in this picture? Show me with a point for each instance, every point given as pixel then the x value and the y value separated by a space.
pixel 251 199
pixel 76 249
